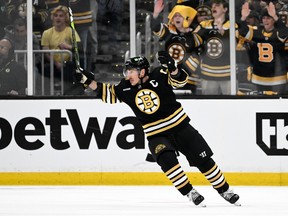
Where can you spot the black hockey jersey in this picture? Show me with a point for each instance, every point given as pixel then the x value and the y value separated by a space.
pixel 215 63
pixel 267 53
pixel 153 102
pixel 182 47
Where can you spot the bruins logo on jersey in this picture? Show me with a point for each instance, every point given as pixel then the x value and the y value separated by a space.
pixel 147 101
pixel 215 48
pixel 159 148
pixel 177 52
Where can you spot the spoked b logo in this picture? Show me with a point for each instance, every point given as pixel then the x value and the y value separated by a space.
pixel 272 133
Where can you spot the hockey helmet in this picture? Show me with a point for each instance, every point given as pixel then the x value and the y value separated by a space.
pixel 139 62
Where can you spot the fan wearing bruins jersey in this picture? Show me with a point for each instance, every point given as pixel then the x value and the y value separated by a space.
pixel 267 50
pixel 181 43
pixel 215 60
pixel 166 125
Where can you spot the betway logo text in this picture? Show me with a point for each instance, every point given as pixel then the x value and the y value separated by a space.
pixel 28 139
pixel 272 133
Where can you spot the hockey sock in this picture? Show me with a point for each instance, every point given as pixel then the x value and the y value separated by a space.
pixel 172 169
pixel 214 175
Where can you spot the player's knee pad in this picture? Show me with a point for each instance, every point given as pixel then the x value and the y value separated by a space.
pixel 158 145
pixel 167 160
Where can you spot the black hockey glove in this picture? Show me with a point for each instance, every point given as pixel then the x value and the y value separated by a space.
pixel 84 77
pixel 166 61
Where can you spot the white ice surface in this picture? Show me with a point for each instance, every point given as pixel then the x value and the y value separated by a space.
pixel 137 200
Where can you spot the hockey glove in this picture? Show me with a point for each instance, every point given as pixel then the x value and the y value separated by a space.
pixel 166 61
pixel 84 77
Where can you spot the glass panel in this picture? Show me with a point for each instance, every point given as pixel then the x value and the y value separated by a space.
pixel 198 44
pixel 113 22
pixel 212 24
pixel 102 29
pixel 262 50
pixel 102 35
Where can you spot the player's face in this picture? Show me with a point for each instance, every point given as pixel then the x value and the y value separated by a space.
pixel 133 76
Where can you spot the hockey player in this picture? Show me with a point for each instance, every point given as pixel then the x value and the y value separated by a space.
pixel 150 95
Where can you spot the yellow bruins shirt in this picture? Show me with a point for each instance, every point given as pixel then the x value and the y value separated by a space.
pixel 153 102
pixel 52 38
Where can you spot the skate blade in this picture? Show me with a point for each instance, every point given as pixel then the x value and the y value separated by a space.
pixel 203 205
pixel 237 204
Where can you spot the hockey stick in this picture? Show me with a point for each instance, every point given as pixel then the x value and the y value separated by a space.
pixel 74 42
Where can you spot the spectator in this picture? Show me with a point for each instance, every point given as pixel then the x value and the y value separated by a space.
pixel 18 34
pixel 8 14
pixel 215 65
pixel 82 16
pixel 13 79
pixel 253 19
pixel 40 18
pixel 22 10
pixel 283 15
pixel 267 71
pixel 59 37
pixel 181 43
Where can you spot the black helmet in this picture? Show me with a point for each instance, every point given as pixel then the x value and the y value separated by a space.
pixel 139 62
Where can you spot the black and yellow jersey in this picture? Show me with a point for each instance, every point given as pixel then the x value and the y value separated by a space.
pixel 153 102
pixel 215 63
pixel 267 53
pixel 182 47
pixel 82 13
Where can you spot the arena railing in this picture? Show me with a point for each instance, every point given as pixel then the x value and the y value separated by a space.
pixel 39 64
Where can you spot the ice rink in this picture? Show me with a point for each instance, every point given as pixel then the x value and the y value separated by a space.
pixel 137 200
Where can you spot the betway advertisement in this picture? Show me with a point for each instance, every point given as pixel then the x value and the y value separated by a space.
pixel 90 136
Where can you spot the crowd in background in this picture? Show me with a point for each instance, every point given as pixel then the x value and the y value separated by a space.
pixel 51 17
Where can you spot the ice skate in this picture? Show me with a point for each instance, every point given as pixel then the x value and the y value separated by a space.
pixel 196 198
pixel 231 197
